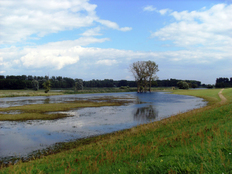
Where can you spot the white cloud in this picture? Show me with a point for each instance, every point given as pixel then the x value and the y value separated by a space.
pixel 106 62
pixel 82 41
pixel 92 32
pixel 21 19
pixel 73 59
pixel 54 58
pixel 209 28
pixel 149 8
pixel 164 11
pixel 125 29
pixel 113 25
pixel 57 54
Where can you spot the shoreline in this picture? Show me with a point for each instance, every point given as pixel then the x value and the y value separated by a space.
pixel 133 130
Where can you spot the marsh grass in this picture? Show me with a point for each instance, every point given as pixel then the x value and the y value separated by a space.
pixel 38 111
pixel 99 90
pixel 112 90
pixel 20 93
pixel 198 141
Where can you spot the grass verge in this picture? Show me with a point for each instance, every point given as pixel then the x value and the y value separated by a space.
pixel 210 95
pixel 198 141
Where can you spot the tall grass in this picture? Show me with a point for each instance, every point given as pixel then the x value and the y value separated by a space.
pixel 198 141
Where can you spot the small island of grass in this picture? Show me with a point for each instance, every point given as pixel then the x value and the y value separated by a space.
pixel 39 111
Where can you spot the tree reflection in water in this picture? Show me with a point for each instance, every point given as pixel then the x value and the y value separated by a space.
pixel 147 113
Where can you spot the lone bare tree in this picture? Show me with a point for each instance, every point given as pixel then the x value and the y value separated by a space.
pixel 143 72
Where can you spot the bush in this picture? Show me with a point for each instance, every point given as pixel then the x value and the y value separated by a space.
pixel 183 85
pixel 209 86
pixel 47 86
pixel 124 87
pixel 194 85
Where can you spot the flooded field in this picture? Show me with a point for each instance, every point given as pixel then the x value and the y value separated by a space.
pixel 21 138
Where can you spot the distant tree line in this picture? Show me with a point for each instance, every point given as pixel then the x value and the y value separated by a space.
pixel 35 82
pixel 174 82
pixel 108 83
pixel 223 82
pixel 57 82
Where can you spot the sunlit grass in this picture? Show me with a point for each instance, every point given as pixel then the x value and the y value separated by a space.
pixel 210 95
pixel 198 141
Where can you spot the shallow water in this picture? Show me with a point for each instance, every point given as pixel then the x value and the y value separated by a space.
pixel 21 138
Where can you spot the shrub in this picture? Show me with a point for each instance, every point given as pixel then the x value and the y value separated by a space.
pixel 124 87
pixel 183 85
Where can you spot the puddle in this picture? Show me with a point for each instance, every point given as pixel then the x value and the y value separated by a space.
pixel 70 113
pixel 20 101
pixel 19 139
pixel 12 112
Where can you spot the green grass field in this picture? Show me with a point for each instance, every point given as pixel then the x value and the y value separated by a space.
pixel 198 141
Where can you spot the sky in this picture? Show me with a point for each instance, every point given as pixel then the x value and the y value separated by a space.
pixel 100 39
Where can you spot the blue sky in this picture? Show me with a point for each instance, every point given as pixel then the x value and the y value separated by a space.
pixel 99 39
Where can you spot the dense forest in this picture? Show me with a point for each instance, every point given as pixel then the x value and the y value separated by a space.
pixel 25 82
pixel 223 82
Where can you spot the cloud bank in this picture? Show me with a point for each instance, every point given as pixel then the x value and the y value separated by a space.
pixel 22 20
pixel 210 28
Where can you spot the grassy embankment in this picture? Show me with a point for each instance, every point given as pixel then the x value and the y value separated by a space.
pixel 197 141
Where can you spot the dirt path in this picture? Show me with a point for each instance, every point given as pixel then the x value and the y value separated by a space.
pixel 223 99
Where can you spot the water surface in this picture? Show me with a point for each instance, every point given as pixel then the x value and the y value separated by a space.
pixel 21 138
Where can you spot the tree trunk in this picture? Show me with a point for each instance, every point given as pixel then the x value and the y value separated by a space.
pixel 138 87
